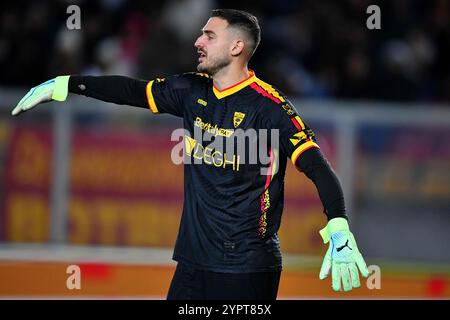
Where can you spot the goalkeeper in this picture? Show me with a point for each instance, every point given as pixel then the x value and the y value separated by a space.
pixel 228 246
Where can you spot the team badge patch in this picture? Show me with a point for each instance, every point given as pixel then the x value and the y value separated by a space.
pixel 238 117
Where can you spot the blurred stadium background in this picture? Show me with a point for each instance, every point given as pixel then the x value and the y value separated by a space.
pixel 92 184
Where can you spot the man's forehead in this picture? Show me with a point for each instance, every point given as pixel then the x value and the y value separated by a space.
pixel 215 24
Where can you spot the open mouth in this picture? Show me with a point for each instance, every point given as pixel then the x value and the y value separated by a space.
pixel 201 56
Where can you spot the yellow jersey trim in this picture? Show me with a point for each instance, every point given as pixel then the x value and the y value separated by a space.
pixel 150 98
pixel 305 146
pixel 269 89
pixel 234 88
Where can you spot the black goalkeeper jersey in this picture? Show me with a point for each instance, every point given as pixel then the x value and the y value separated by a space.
pixel 236 145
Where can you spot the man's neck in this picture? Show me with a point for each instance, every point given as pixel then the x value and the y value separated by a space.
pixel 228 77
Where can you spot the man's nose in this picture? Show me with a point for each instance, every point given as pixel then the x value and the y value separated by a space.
pixel 198 44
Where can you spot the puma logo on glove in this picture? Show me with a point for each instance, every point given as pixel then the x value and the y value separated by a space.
pixel 345 245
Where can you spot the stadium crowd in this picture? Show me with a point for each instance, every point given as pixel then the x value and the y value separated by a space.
pixel 312 49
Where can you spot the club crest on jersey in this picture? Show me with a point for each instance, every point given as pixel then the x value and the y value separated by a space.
pixel 237 119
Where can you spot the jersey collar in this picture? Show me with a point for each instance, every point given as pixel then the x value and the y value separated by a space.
pixel 234 88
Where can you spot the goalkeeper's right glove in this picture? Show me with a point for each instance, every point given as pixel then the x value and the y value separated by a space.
pixel 54 89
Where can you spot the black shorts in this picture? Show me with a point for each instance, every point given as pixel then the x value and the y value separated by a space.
pixel 193 284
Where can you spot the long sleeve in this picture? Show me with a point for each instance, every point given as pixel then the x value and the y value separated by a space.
pixel 115 89
pixel 314 165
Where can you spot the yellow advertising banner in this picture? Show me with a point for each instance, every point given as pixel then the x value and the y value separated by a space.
pixel 125 191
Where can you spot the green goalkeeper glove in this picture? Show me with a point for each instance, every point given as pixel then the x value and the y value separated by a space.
pixel 342 257
pixel 54 89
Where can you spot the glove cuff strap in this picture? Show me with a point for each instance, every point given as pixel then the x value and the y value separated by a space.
pixel 335 224
pixel 61 88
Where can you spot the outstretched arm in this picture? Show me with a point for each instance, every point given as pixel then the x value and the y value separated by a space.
pixel 115 89
pixel 342 258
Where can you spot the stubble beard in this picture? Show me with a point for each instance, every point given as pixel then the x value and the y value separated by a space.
pixel 214 66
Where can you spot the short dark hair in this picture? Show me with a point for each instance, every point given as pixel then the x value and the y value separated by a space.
pixel 244 21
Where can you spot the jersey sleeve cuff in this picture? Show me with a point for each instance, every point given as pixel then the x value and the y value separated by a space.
pixel 302 148
pixel 150 98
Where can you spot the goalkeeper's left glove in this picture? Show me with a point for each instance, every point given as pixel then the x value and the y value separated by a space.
pixel 54 89
pixel 342 257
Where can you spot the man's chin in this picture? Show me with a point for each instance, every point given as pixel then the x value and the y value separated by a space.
pixel 201 68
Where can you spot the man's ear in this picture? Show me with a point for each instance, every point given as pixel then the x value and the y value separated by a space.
pixel 237 48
